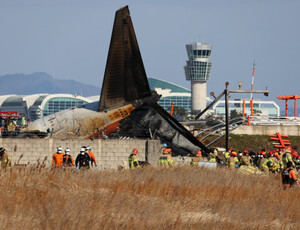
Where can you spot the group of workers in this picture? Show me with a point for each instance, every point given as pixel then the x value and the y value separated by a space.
pixel 84 160
pixel 285 161
pixel 164 161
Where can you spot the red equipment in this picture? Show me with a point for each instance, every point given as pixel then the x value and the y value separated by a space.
pixel 286 98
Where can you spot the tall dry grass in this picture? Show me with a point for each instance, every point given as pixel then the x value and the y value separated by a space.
pixel 150 198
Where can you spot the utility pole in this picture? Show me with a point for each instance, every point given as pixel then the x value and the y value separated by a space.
pixel 227 116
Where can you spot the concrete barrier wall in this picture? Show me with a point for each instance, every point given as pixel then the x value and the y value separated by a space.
pixel 266 130
pixel 109 153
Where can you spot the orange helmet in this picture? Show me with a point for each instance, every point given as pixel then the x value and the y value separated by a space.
pixel 165 150
pixel 233 153
pixel 135 151
pixel 199 152
pixel 294 153
pixel 169 150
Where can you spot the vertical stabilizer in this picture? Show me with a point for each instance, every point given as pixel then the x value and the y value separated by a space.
pixel 125 77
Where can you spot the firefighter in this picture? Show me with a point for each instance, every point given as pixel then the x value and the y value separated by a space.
pixel 246 159
pixel 57 158
pixel 68 161
pixel 5 158
pixel 289 177
pixel 166 160
pixel 240 156
pixel 297 164
pixel 133 160
pixel 92 155
pixel 233 160
pixel 274 160
pixel 83 160
pixel 294 155
pixel 287 157
pixel 213 154
pixel 195 160
pixel 265 164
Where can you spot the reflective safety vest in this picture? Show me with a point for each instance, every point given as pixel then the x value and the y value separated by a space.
pixel 212 157
pixel 287 158
pixel 195 160
pixel 232 161
pixel 165 161
pixel 264 164
pixel 226 154
pixel 133 162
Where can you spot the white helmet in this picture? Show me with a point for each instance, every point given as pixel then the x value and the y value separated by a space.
pixel 82 150
pixel 67 151
pixel 88 147
pixel 59 149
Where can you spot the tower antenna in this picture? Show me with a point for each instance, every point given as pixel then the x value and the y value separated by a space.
pixel 251 95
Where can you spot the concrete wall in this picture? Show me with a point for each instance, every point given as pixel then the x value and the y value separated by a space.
pixel 266 130
pixel 109 153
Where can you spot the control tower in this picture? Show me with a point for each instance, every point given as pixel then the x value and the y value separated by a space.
pixel 197 71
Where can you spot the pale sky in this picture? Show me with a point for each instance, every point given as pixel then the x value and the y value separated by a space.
pixel 69 39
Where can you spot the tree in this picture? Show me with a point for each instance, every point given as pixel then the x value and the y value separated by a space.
pixel 235 114
pixel 179 113
pixel 212 119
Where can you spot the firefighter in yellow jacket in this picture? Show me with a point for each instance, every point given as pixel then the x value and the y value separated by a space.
pixel 233 160
pixel 5 158
pixel 195 160
pixel 166 159
pixel 133 160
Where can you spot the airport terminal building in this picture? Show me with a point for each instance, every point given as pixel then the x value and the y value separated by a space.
pixel 171 93
pixel 35 106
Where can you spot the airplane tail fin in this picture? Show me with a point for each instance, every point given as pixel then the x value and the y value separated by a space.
pixel 125 77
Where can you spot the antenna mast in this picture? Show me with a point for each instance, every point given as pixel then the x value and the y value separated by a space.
pixel 251 96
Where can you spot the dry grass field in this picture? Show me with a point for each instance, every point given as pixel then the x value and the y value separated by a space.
pixel 149 198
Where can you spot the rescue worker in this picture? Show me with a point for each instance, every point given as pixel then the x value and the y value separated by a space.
pixel 233 160
pixel 294 155
pixel 83 160
pixel 265 164
pixel 68 161
pixel 195 160
pixel 287 157
pixel 274 161
pixel 227 155
pixel 133 160
pixel 297 163
pixel 240 156
pixel 166 159
pixel 289 177
pixel 92 156
pixel 5 159
pixel 279 163
pixel 213 154
pixel 246 159
pixel 57 158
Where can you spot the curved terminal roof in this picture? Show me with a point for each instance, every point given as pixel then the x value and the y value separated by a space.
pixel 53 96
pixel 157 83
pixel 4 97
pixel 13 101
